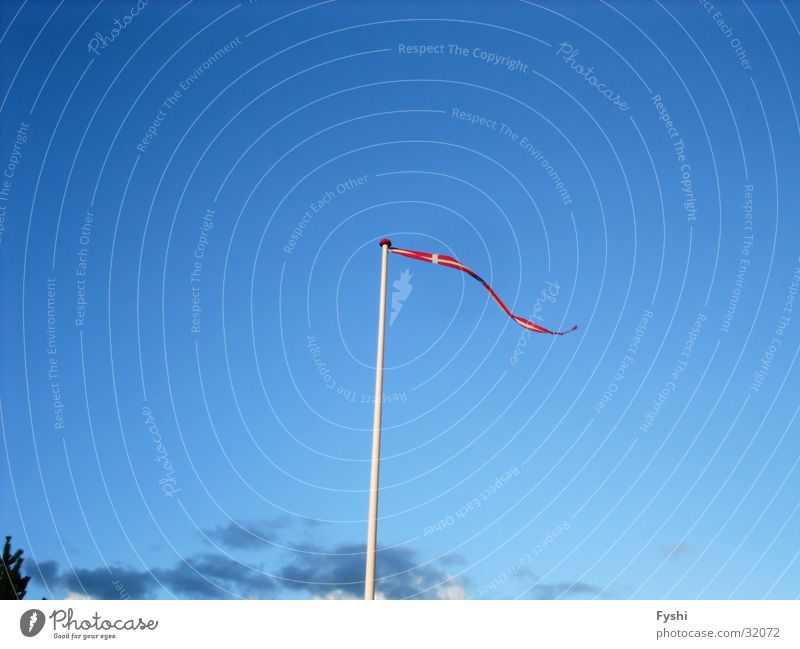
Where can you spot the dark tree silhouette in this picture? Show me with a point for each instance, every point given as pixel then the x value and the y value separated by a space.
pixel 12 584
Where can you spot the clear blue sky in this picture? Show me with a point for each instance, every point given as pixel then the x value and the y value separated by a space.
pixel 189 273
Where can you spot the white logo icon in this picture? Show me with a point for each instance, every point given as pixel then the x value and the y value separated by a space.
pixel 402 290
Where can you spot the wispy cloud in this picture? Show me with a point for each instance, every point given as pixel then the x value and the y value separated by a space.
pixel 250 534
pixel 675 551
pixel 563 590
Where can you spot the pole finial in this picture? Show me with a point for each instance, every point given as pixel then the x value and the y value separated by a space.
pixel 386 242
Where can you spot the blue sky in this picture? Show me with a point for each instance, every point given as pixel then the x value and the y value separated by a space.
pixel 192 203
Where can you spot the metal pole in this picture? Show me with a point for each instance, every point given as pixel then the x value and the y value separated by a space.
pixel 372 533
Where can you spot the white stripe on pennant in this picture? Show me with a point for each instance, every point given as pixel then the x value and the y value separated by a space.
pixel 434 258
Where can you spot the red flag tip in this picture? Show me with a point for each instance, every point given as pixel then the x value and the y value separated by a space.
pixel 386 242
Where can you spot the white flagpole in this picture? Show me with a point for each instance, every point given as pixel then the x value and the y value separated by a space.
pixel 372 533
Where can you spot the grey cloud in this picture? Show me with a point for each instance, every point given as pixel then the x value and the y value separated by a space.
pixel 400 574
pixel 216 576
pixel 336 571
pixel 203 576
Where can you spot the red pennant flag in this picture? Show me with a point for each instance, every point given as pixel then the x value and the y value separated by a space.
pixel 450 262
